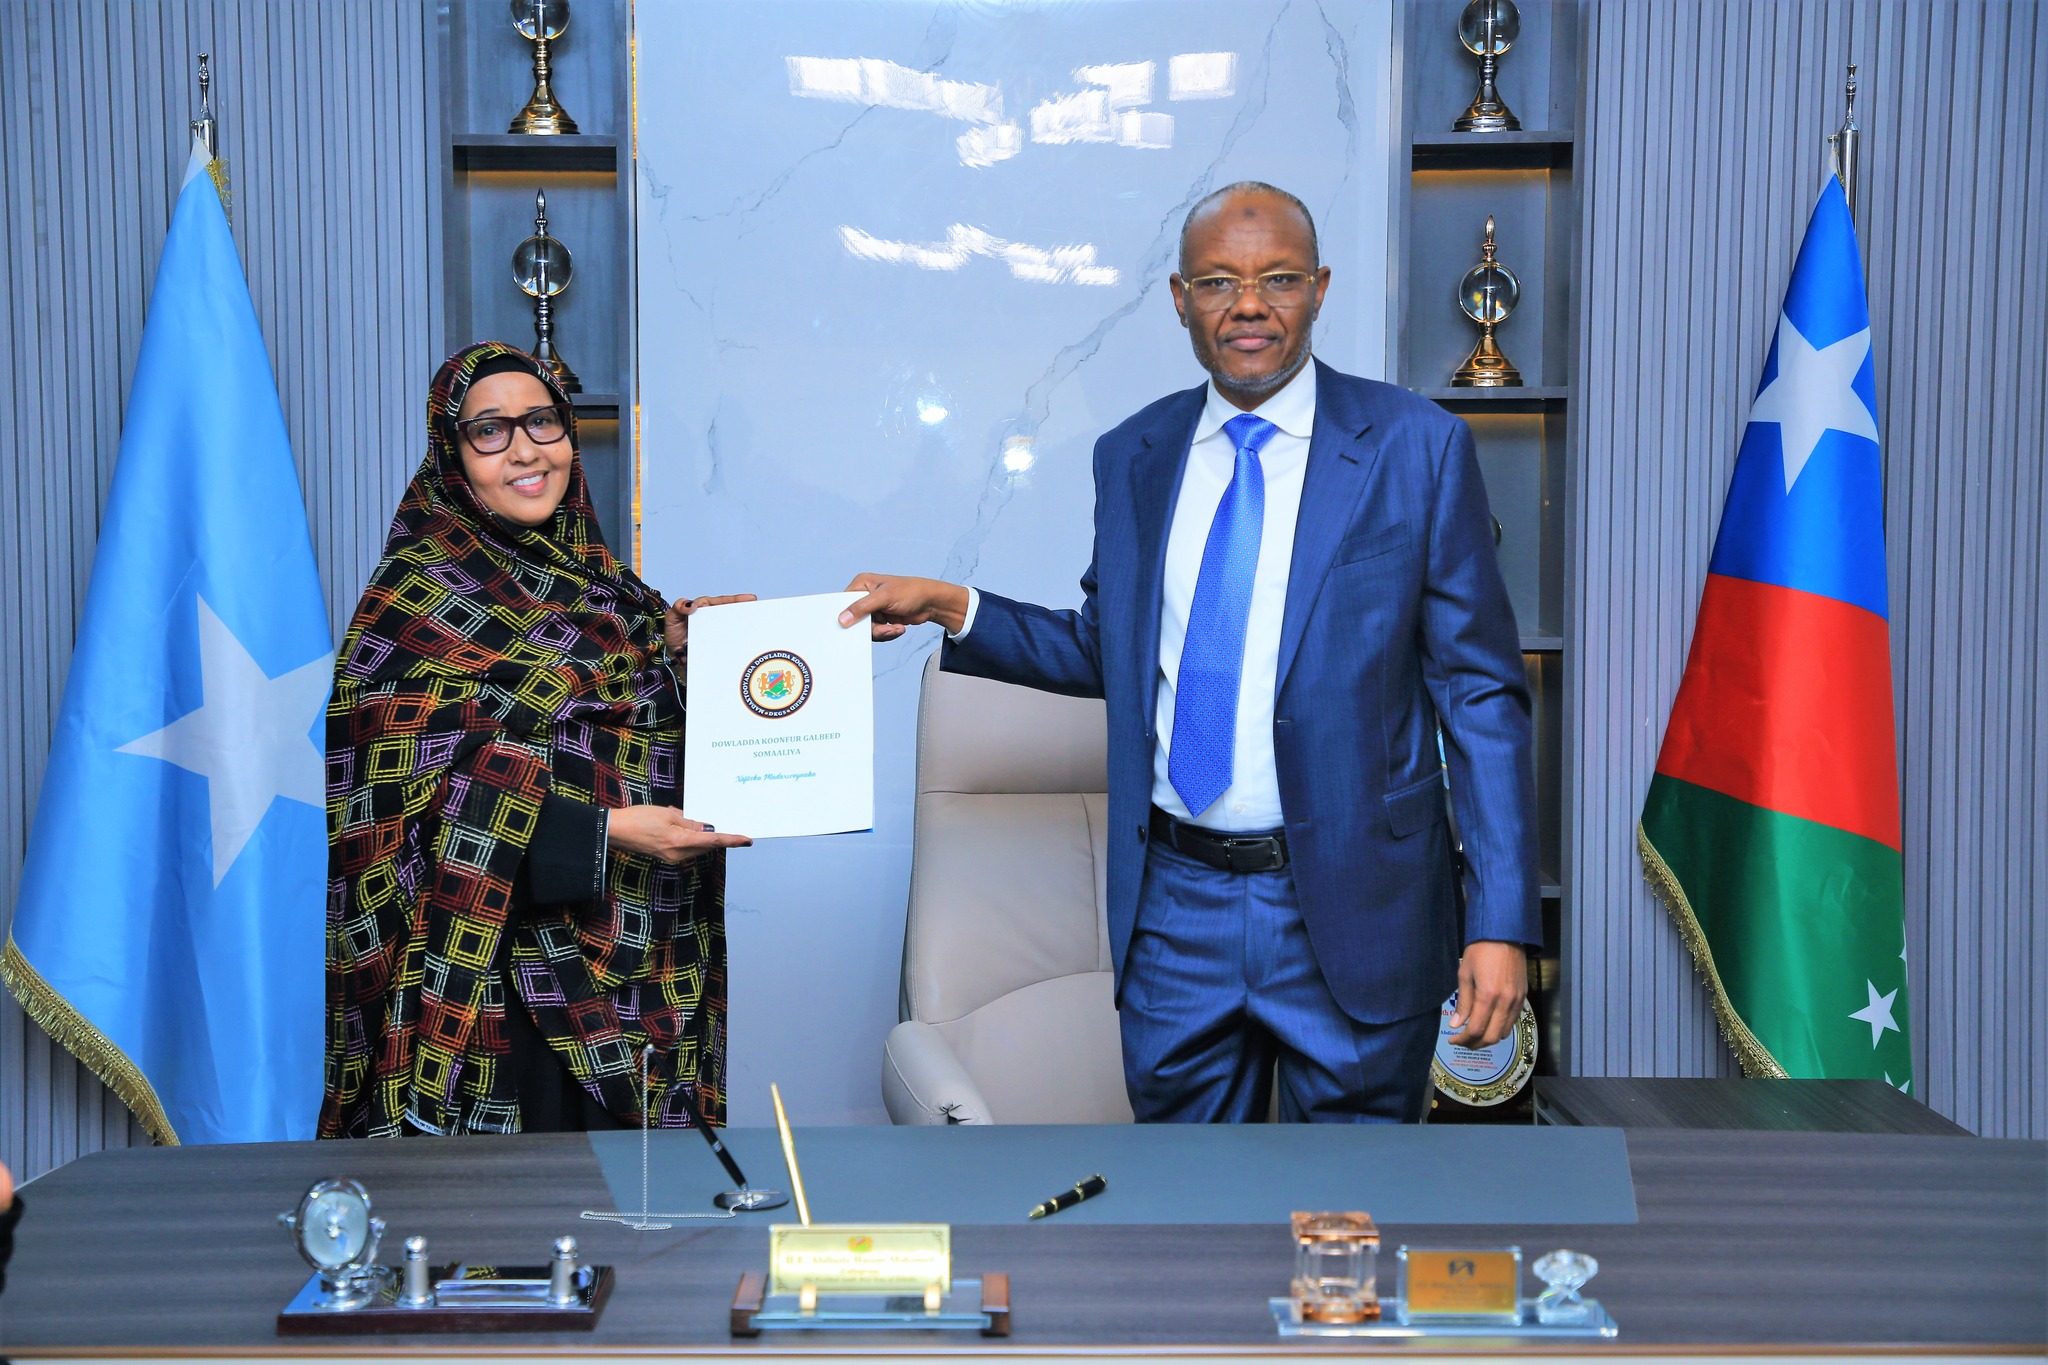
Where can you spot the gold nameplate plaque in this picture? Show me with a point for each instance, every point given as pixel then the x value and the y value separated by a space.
pixel 1443 1282
pixel 855 1258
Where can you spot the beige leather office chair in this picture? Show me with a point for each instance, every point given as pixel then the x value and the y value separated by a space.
pixel 1008 1011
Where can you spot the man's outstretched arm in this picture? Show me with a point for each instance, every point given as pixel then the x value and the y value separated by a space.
pixel 988 635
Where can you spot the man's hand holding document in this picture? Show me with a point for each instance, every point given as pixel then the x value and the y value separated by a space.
pixel 780 735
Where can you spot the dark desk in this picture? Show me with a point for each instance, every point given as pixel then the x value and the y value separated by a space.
pixel 1734 1102
pixel 1746 1242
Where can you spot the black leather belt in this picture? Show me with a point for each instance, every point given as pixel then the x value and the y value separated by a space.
pixel 1224 852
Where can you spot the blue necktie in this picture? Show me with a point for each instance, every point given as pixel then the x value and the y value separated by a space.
pixel 1212 657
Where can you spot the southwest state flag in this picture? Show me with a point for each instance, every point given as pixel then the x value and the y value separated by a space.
pixel 169 929
pixel 1772 824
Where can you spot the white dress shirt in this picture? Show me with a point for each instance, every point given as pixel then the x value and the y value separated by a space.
pixel 1252 800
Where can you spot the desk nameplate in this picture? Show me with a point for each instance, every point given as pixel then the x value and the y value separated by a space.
pixel 860 1258
pixel 1477 1284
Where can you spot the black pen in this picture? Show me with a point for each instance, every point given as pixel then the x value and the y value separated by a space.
pixel 1066 1199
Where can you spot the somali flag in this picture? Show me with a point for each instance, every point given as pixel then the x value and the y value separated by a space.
pixel 169 929
pixel 1772 824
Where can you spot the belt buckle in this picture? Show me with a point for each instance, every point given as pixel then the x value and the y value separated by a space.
pixel 1251 855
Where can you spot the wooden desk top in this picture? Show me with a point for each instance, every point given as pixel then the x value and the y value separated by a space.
pixel 1735 1102
pixel 1747 1242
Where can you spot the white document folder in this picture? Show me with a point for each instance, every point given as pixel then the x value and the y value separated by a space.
pixel 779 739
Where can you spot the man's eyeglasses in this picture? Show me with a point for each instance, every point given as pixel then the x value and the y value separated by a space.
pixel 489 435
pixel 1280 288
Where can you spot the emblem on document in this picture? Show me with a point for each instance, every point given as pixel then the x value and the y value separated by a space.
pixel 776 684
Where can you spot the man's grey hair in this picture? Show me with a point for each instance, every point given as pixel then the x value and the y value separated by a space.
pixel 1315 252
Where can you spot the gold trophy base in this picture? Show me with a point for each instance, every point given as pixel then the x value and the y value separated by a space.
pixel 1486 368
pixel 543 118
pixel 1487 116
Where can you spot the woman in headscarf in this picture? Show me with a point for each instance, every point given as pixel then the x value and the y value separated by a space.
pixel 516 907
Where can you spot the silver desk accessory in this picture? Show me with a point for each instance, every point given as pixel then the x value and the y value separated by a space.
pixel 747 1199
pixel 562 1273
pixel 645 1221
pixel 418 1291
pixel 336 1234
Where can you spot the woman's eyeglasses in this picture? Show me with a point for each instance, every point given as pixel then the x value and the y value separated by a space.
pixel 489 435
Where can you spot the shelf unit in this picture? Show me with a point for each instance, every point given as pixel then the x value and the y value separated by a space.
pixel 1524 179
pixel 488 176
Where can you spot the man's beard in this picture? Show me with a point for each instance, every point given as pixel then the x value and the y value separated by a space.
pixel 1263 384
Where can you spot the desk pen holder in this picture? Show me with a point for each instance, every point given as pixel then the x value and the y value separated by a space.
pixel 971 1305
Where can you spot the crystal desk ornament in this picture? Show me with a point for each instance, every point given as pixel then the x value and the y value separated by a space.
pixel 1488 28
pixel 541 267
pixel 1473 1292
pixel 1487 295
pixel 540 22
pixel 1336 1266
pixel 1564 1273
pixel 350 1294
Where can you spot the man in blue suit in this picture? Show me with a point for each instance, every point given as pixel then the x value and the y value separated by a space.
pixel 1294 591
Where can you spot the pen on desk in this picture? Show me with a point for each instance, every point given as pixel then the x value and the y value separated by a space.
pixel 1066 1199
pixel 796 1180
pixel 710 1134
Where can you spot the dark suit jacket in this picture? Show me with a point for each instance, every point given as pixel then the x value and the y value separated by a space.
pixel 1396 621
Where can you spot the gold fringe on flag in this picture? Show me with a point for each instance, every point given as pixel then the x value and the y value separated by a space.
pixel 75 1034
pixel 217 171
pixel 1756 1059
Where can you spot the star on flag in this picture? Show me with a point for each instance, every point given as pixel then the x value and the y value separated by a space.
pixel 1813 393
pixel 250 738
pixel 1878 1013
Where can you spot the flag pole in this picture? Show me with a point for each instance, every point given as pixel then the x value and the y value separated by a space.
pixel 1844 142
pixel 205 128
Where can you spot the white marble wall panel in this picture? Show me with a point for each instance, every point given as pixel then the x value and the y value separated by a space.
pixel 900 265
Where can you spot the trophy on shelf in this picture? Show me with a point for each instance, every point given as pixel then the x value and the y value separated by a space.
pixel 1487 28
pixel 540 22
pixel 1487 295
pixel 541 267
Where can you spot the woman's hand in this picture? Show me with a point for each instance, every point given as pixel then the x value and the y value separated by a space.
pixel 676 627
pixel 665 833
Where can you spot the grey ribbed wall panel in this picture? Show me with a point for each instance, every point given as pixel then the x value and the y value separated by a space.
pixel 323 113
pixel 1701 159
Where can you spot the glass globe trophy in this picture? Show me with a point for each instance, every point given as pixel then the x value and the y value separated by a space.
pixel 1487 295
pixel 1488 28
pixel 541 267
pixel 540 22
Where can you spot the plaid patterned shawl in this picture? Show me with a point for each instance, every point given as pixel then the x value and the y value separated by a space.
pixel 486 666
